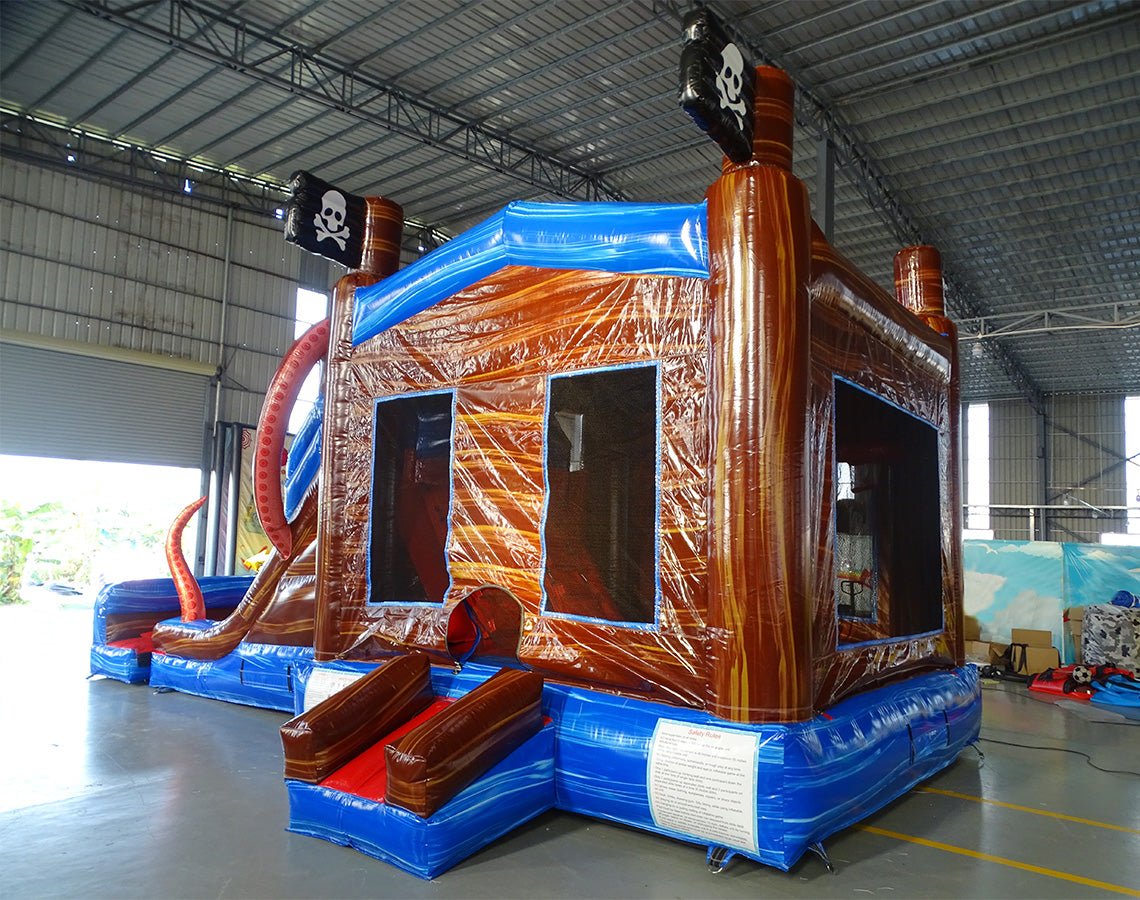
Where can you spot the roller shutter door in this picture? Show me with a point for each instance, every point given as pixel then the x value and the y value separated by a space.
pixel 80 407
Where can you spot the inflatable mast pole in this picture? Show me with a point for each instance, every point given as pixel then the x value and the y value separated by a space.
pixel 918 287
pixel 759 246
pixel 383 230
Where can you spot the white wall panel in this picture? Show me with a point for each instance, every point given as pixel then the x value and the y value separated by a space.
pixel 82 260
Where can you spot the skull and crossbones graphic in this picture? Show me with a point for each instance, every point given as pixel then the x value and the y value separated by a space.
pixel 330 221
pixel 730 82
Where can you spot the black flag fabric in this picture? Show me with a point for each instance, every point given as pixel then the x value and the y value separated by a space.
pixel 718 84
pixel 325 220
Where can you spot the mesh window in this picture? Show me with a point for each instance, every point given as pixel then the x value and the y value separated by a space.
pixel 411 494
pixel 888 552
pixel 601 467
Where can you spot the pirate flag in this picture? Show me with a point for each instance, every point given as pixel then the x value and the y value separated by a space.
pixel 717 85
pixel 325 220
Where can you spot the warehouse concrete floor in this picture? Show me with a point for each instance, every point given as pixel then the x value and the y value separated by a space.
pixel 109 790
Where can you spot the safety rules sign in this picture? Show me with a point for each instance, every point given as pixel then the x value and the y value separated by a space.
pixel 702 783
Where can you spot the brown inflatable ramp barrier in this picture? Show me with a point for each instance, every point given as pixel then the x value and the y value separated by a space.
pixel 320 741
pixel 433 763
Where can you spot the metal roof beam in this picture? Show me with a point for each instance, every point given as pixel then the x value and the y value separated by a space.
pixel 478 38
pixel 387 9
pixel 1091 317
pixel 49 144
pixel 35 46
pixel 538 41
pixel 998 55
pixel 330 84
pixel 142 76
pixel 970 14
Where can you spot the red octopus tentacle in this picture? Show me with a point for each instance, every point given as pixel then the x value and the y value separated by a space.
pixel 190 600
pixel 308 350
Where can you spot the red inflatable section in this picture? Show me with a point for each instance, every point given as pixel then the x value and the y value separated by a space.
pixel 189 593
pixel 1062 681
pixel 308 350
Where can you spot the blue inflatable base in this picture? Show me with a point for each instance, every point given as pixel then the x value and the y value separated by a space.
pixel 809 781
pixel 813 778
pixel 514 791
pixel 120 663
pixel 254 675
pixel 152 599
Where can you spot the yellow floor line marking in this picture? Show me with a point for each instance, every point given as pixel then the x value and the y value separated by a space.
pixel 1001 860
pixel 1028 809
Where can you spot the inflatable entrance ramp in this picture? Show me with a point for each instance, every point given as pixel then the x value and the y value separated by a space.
pixel 421 780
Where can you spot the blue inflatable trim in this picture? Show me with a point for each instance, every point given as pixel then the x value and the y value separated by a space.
pixel 304 460
pixel 120 663
pixel 160 596
pixel 253 674
pixel 623 238
pixel 813 778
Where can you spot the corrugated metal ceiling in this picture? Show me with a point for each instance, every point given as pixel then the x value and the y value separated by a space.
pixel 1006 133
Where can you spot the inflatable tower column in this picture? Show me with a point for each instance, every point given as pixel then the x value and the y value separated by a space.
pixel 918 287
pixel 759 248
pixel 380 257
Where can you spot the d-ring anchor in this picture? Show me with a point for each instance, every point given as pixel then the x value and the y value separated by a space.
pixel 817 849
pixel 718 859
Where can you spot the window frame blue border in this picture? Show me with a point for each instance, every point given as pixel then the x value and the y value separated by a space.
pixel 408 604
pixel 655 625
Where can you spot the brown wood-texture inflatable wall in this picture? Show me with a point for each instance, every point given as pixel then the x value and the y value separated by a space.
pixel 495 345
pixel 746 620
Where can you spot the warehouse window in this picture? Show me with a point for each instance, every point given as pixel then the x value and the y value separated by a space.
pixel 1132 461
pixel 411 499
pixel 978 469
pixel 888 548
pixel 599 529
pixel 312 307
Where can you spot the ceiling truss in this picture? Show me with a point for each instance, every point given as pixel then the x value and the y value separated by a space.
pixel 238 44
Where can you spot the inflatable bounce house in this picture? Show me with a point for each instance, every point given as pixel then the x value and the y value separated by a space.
pixel 642 511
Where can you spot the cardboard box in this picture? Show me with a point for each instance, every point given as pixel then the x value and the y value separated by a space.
pixel 1074 614
pixel 971 629
pixel 1031 637
pixel 1029 660
pixel 978 651
pixel 996 652
pixel 1038 659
